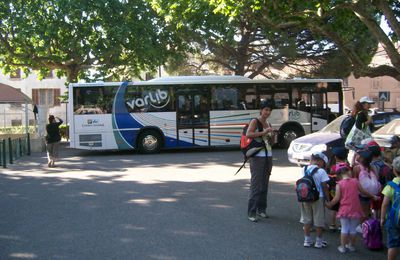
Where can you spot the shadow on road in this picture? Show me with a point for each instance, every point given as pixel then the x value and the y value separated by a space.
pixel 48 214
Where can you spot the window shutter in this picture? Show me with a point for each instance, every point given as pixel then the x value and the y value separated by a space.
pixel 35 96
pixel 56 96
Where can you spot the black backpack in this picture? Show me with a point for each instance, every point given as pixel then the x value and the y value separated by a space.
pixel 249 146
pixel 306 189
pixel 346 125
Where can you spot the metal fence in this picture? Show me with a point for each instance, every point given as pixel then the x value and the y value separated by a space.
pixel 12 148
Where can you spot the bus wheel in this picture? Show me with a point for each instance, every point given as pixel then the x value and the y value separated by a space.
pixel 288 135
pixel 149 142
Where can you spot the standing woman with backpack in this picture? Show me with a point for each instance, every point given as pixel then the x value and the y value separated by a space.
pixel 260 164
pixel 362 126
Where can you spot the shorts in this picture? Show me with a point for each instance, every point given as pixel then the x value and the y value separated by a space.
pixel 393 236
pixel 313 213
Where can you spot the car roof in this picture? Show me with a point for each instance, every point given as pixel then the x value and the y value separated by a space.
pixel 393 127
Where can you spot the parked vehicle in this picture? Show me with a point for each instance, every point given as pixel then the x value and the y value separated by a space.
pixel 385 133
pixel 300 149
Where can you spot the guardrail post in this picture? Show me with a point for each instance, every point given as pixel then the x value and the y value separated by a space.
pixel 20 147
pixel 10 150
pixel 28 143
pixel 1 152
pixel 4 153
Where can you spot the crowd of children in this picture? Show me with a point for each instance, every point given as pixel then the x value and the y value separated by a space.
pixel 356 193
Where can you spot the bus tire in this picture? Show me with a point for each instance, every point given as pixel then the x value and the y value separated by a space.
pixel 149 142
pixel 288 134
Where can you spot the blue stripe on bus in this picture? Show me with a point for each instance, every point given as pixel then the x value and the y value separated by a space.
pixel 122 119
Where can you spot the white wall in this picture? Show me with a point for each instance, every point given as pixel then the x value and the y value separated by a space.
pixel 26 84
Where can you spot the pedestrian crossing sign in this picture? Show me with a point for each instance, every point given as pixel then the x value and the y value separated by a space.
pixel 384 96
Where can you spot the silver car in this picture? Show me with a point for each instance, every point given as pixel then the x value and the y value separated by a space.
pixel 383 135
pixel 300 149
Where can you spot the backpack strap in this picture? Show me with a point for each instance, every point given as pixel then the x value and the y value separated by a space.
pixel 244 163
pixel 259 124
pixel 395 186
pixel 312 172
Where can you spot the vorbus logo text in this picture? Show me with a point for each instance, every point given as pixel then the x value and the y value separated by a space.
pixel 157 99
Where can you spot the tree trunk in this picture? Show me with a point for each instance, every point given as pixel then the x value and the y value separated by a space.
pixel 72 73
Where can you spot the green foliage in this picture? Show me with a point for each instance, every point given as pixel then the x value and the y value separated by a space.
pixel 16 130
pixel 351 27
pixel 246 37
pixel 75 37
pixel 64 131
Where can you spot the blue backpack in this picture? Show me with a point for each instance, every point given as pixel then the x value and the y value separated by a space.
pixel 394 213
pixel 346 125
pixel 385 173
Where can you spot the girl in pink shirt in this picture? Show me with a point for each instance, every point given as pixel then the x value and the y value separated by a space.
pixel 350 211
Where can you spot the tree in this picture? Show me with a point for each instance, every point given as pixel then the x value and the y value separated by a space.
pixel 237 36
pixel 111 37
pixel 348 24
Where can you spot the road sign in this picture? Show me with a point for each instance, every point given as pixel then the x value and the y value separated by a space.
pixel 384 96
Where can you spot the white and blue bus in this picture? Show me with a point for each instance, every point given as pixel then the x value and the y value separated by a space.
pixel 194 111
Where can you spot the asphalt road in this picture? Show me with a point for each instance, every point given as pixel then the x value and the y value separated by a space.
pixel 173 205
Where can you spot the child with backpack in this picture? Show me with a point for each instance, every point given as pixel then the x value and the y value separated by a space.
pixel 339 157
pixel 368 180
pixel 350 211
pixel 383 171
pixel 394 149
pixel 312 210
pixel 390 211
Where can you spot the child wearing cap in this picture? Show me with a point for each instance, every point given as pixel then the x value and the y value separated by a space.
pixel 393 233
pixel 350 211
pixel 394 149
pixel 313 212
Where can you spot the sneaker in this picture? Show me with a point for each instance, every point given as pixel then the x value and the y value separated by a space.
pixel 320 244
pixel 359 229
pixel 307 243
pixel 350 248
pixel 341 249
pixel 252 218
pixel 263 215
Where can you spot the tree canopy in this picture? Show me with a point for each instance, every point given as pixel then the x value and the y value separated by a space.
pixel 348 24
pixel 241 43
pixel 121 38
pixel 114 37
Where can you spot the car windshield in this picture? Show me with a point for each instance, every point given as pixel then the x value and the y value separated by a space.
pixel 334 126
pixel 391 128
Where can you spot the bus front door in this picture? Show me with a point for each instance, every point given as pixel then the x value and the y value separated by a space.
pixel 193 117
pixel 319 111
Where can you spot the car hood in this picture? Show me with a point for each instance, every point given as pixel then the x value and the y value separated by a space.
pixel 318 138
pixel 382 140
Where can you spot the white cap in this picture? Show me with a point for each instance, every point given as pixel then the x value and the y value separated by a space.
pixel 366 99
pixel 320 155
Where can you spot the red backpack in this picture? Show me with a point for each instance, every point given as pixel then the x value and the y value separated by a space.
pixel 249 145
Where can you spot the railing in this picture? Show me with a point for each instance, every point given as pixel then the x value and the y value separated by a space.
pixel 14 148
